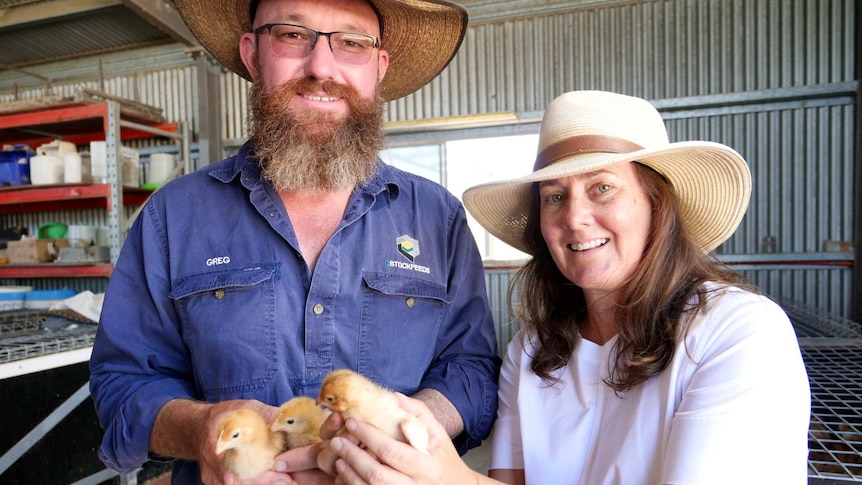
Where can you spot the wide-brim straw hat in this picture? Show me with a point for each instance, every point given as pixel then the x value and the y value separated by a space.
pixel 421 36
pixel 583 131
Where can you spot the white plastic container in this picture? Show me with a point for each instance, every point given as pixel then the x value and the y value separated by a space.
pixel 13 297
pixel 46 169
pixel 128 167
pixel 72 168
pixel 161 166
pixel 56 148
pixel 81 235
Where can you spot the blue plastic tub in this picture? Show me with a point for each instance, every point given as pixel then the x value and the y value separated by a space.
pixel 15 165
pixel 12 300
pixel 44 299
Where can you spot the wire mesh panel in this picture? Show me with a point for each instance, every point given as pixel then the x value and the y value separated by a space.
pixel 22 336
pixel 835 434
pixel 19 321
pixel 832 350
pixel 812 323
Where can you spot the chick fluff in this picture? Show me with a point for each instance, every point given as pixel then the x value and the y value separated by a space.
pixel 355 396
pixel 249 446
pixel 300 420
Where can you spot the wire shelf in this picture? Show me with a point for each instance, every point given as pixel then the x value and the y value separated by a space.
pixel 835 434
pixel 812 323
pixel 22 336
pixel 832 350
pixel 19 321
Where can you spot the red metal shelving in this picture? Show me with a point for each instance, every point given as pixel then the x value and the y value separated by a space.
pixel 79 120
pixel 56 270
pixel 40 198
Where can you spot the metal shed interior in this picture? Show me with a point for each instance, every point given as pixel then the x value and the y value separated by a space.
pixel 776 79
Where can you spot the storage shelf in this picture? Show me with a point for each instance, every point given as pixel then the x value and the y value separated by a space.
pixel 56 270
pixel 40 198
pixel 79 122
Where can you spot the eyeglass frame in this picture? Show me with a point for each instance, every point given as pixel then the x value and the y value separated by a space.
pixel 317 34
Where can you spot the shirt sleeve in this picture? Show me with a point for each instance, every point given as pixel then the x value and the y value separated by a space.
pixel 467 364
pixel 743 417
pixel 138 362
pixel 507 452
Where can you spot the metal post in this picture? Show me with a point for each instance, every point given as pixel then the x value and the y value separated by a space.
pixel 856 294
pixel 113 148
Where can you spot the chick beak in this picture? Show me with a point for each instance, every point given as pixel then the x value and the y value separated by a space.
pixel 220 446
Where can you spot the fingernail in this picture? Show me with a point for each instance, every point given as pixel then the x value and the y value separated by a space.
pixel 336 444
pixel 280 466
pixel 340 466
pixel 350 425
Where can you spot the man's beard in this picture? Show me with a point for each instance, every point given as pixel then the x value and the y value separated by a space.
pixel 313 151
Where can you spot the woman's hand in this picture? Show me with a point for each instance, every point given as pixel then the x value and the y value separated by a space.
pixel 386 461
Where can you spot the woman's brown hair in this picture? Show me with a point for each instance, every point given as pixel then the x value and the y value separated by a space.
pixel 657 302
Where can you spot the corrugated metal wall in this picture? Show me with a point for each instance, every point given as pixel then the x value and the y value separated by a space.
pixel 772 78
pixel 656 50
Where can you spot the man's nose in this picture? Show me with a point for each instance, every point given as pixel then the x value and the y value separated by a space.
pixel 320 62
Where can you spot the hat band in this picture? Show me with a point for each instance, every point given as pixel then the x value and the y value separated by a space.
pixel 583 144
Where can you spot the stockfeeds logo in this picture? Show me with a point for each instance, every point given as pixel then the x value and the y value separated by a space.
pixel 409 248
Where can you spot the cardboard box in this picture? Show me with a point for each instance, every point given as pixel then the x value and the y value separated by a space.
pixel 35 250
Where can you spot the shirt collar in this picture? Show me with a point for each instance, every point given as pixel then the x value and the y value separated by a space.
pixel 384 178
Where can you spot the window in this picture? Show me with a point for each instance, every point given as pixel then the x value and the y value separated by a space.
pixel 460 164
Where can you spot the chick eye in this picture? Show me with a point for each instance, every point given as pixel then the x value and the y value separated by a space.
pixel 290 421
pixel 330 399
pixel 235 435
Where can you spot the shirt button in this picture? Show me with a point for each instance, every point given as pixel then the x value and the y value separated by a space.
pixel 318 309
pixel 218 294
pixel 410 303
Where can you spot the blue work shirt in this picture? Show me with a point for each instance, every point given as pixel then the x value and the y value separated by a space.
pixel 211 300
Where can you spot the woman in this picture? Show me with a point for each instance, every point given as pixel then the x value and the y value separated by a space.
pixel 642 360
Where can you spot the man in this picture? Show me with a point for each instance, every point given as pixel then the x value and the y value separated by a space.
pixel 243 284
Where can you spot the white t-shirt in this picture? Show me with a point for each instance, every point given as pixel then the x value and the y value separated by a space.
pixel 733 407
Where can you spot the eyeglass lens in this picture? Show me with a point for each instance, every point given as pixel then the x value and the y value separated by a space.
pixel 297 41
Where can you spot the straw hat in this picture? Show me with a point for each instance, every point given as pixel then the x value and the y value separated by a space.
pixel 421 36
pixel 583 131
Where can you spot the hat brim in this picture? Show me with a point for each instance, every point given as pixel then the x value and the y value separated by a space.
pixel 711 180
pixel 421 37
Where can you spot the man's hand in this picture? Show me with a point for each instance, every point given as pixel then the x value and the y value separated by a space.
pixel 188 430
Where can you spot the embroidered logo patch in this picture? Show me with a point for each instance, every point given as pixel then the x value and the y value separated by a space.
pixel 408 247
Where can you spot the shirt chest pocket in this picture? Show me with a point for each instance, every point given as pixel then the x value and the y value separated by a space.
pixel 400 323
pixel 228 324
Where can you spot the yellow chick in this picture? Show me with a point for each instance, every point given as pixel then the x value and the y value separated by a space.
pixel 249 446
pixel 354 396
pixel 300 420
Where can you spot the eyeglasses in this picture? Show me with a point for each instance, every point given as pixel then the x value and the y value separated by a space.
pixel 296 41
